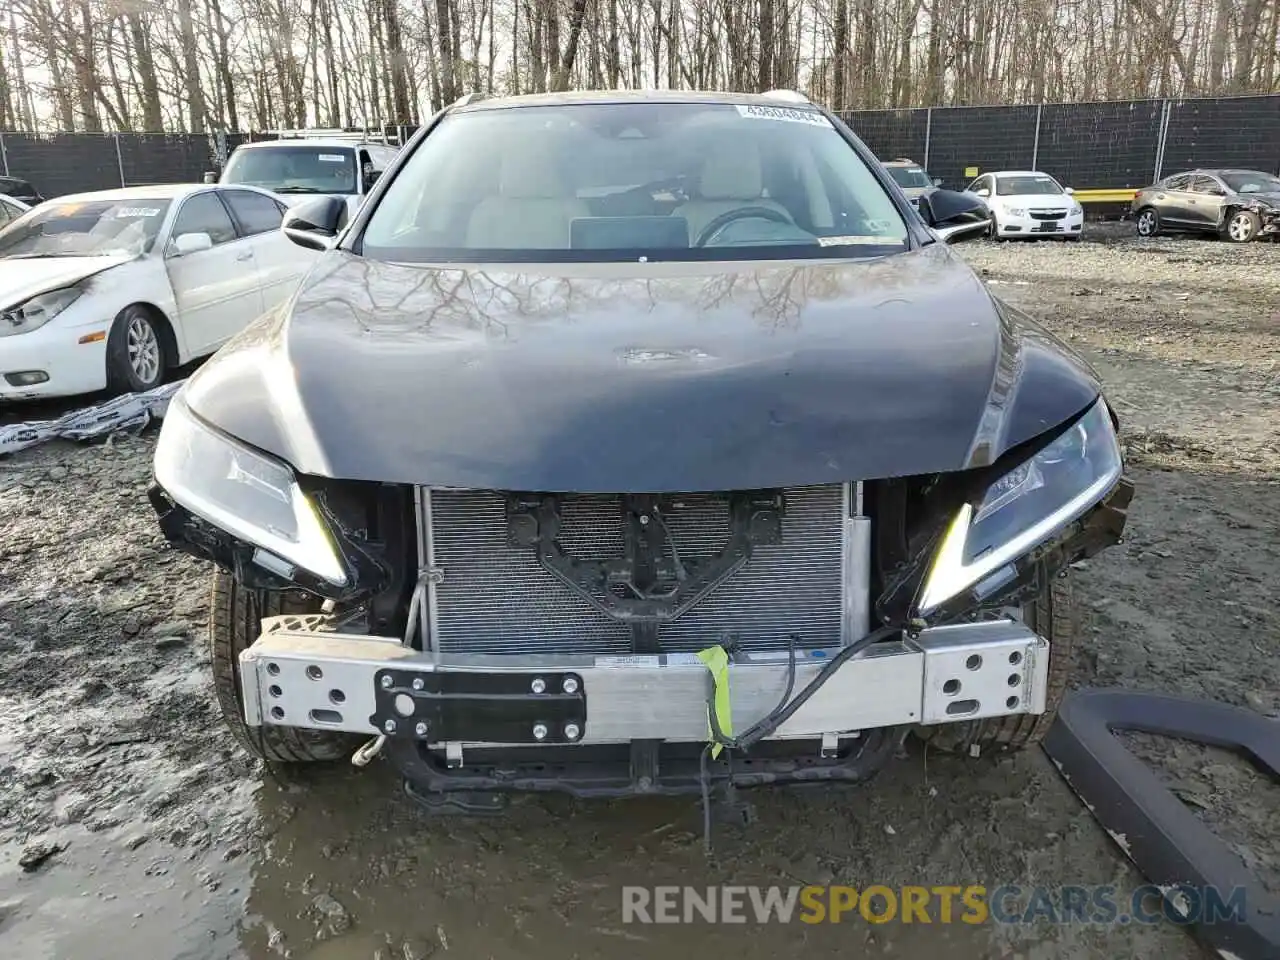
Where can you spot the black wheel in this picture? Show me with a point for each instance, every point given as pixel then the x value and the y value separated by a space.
pixel 1242 226
pixel 1052 616
pixel 1148 222
pixel 234 617
pixel 136 354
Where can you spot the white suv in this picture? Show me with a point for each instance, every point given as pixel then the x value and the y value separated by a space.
pixel 297 168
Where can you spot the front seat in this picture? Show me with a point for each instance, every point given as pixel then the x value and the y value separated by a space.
pixel 731 178
pixel 533 208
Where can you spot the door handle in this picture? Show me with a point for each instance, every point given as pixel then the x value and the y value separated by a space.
pixel 247 255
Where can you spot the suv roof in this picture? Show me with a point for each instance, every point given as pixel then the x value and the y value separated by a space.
pixel 774 98
pixel 326 143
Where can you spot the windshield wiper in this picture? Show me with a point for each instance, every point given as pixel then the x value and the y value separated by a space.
pixel 39 256
pixel 299 190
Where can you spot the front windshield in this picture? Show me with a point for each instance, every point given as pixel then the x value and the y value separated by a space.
pixel 91 228
pixel 1250 181
pixel 909 177
pixel 1022 186
pixel 300 169
pixel 616 182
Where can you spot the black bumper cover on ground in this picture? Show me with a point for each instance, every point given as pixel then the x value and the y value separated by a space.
pixel 1165 840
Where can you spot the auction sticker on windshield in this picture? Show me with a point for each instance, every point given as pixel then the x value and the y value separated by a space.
pixel 128 213
pixel 332 157
pixel 755 111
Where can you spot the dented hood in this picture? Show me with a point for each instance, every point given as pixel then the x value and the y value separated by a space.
pixel 640 377
pixel 22 278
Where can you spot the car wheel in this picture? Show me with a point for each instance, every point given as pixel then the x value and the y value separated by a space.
pixel 235 617
pixel 136 354
pixel 1242 226
pixel 1148 222
pixel 1053 616
pixel 993 230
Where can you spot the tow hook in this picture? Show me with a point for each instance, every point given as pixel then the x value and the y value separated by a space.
pixel 370 750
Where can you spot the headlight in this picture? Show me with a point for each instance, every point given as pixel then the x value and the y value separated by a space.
pixel 1025 507
pixel 1076 209
pixel 246 493
pixel 1014 211
pixel 35 313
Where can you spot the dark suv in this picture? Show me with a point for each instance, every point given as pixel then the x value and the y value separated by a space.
pixel 20 189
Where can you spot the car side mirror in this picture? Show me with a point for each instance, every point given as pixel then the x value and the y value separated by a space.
pixel 185 244
pixel 937 181
pixel 982 192
pixel 211 176
pixel 955 215
pixel 1069 191
pixel 315 222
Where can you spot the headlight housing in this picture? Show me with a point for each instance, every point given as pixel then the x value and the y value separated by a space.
pixel 248 494
pixel 34 313
pixel 1025 507
pixel 1014 211
pixel 1076 208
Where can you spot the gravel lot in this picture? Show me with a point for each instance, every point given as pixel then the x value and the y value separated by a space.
pixel 113 757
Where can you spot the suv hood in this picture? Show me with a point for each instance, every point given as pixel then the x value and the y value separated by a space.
pixel 640 377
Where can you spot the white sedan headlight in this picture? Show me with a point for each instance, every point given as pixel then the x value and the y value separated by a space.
pixel 1025 507
pixel 1076 209
pixel 1014 211
pixel 248 494
pixel 35 313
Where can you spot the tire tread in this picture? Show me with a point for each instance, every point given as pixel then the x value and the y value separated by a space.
pixel 235 615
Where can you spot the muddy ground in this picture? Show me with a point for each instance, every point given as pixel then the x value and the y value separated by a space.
pixel 168 842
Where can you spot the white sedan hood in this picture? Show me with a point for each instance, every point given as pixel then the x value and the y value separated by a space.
pixel 21 278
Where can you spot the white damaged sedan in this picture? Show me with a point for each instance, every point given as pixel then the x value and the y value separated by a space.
pixel 114 288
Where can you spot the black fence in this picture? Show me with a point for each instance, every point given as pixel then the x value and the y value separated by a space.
pixel 1090 146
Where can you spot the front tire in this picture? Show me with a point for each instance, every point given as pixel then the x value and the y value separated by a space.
pixel 1053 616
pixel 1148 223
pixel 136 354
pixel 1242 226
pixel 235 618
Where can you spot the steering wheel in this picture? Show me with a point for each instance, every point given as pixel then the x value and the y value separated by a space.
pixel 741 213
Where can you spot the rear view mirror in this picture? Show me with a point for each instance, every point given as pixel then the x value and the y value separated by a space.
pixel 955 215
pixel 186 244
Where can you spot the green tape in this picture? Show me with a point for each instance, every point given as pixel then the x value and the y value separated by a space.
pixel 717 661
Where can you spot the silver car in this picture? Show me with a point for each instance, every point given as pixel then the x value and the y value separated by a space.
pixel 1238 205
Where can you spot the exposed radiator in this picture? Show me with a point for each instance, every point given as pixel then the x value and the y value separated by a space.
pixel 493 597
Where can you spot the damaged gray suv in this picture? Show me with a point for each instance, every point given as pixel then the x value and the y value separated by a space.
pixel 638 443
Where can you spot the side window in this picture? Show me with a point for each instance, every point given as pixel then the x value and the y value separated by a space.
pixel 204 213
pixel 982 183
pixel 1207 185
pixel 1179 182
pixel 7 213
pixel 256 213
